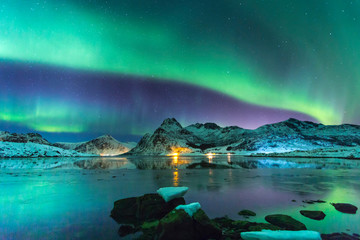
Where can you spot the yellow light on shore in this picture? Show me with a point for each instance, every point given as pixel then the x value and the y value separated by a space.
pixel 210 156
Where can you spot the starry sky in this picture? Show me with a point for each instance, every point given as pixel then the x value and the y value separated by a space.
pixel 75 69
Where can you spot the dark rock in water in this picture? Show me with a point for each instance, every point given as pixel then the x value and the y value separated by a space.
pixel 126 230
pixel 178 225
pixel 293 200
pixel 232 229
pixel 204 227
pixel 246 213
pixel 339 236
pixel 345 207
pixel 284 221
pixel 313 201
pixel 149 207
pixel 204 164
pixel 261 226
pixel 316 215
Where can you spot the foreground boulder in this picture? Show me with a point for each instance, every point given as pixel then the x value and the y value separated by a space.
pixel 315 215
pixel 178 225
pixel 284 221
pixel 137 210
pixel 232 228
pixel 345 207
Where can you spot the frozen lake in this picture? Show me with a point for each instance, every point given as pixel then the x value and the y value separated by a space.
pixel 72 198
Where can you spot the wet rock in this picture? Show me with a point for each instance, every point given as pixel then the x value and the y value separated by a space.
pixel 316 215
pixel 284 221
pixel 204 227
pixel 176 225
pixel 204 164
pixel 246 213
pixel 345 207
pixel 339 236
pixel 313 201
pixel 125 230
pixel 261 226
pixel 137 210
pixel 180 225
pixel 232 229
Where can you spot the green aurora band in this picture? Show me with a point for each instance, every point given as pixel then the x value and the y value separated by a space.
pixel 299 55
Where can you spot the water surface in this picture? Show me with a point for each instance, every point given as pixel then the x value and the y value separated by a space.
pixel 72 198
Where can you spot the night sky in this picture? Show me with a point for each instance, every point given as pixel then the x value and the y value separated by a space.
pixel 73 70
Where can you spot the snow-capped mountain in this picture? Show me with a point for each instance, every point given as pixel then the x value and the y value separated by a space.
pixel 287 136
pixel 34 145
pixel 23 138
pixel 104 145
pixel 34 150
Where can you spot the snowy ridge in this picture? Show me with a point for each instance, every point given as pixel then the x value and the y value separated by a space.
pixel 34 145
pixel 104 145
pixel 292 135
pixel 30 149
pixel 23 138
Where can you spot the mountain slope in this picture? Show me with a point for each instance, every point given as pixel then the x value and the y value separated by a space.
pixel 104 145
pixel 30 149
pixel 286 136
pixel 23 138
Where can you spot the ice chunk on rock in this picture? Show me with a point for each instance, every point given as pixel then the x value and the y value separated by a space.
pixel 170 193
pixel 281 235
pixel 190 208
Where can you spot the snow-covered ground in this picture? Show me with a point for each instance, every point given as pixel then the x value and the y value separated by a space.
pixel 33 150
pixel 336 152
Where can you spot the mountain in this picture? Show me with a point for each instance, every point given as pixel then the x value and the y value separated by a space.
pixel 104 145
pixel 287 136
pixel 31 149
pixel 23 138
pixel 34 145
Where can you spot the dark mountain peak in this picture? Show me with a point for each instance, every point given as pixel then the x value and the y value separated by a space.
pixel 293 120
pixel 205 125
pixel 106 136
pixel 171 123
pixel 211 126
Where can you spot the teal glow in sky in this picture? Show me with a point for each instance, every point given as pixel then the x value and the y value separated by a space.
pixel 300 56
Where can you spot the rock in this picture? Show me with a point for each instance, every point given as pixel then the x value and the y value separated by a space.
pixel 170 193
pixel 126 230
pixel 176 225
pixel 313 201
pixel 137 210
pixel 316 215
pixel 262 226
pixel 204 164
pixel 339 236
pixel 204 227
pixel 284 221
pixel 246 213
pixel 345 207
pixel 179 225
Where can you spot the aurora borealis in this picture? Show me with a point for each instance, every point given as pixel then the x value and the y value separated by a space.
pixel 121 66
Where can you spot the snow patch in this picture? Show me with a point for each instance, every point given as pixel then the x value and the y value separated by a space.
pixel 170 193
pixel 281 235
pixel 190 208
